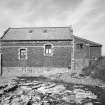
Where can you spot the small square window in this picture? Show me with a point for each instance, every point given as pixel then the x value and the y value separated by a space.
pixel 80 45
pixel 23 53
pixel 48 50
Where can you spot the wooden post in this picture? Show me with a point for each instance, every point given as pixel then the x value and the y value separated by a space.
pixel 0 65
pixel 0 59
pixel 73 56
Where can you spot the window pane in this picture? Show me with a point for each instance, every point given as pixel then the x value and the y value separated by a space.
pixel 48 46
pixel 48 49
pixel 23 53
pixel 23 50
pixel 79 45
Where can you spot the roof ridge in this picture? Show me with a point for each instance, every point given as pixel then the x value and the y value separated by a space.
pixel 24 32
pixel 37 27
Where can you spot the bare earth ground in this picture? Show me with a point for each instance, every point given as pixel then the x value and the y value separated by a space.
pixel 66 77
pixel 59 89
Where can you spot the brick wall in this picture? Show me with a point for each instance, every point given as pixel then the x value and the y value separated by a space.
pixel 95 51
pixel 61 54
pixel 84 56
pixel 35 51
pixel 32 71
pixel 88 51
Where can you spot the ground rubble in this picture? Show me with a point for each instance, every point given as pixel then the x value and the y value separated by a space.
pixel 46 93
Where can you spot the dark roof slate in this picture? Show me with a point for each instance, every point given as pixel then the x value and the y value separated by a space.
pixel 42 33
pixel 38 33
pixel 87 42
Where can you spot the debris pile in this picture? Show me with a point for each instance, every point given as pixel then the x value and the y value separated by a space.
pixel 44 93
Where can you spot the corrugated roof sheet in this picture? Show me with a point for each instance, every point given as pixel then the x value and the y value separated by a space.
pixel 38 33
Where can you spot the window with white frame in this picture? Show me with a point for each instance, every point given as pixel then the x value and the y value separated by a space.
pixel 23 53
pixel 48 50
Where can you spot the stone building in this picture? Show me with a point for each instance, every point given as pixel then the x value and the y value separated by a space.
pixel 43 50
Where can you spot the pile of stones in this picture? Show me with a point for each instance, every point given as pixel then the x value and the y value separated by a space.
pixel 43 93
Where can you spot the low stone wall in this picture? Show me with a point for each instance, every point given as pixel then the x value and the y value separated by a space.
pixel 31 71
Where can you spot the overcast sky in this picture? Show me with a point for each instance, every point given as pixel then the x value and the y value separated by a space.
pixel 87 17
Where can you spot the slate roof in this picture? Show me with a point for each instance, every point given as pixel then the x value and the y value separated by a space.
pixel 38 33
pixel 43 33
pixel 87 42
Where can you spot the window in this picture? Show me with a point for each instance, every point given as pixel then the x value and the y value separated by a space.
pixel 80 45
pixel 94 58
pixel 23 53
pixel 48 50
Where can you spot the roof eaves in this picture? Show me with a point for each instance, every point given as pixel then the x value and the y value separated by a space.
pixel 37 40
pixel 88 40
pixel 5 32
